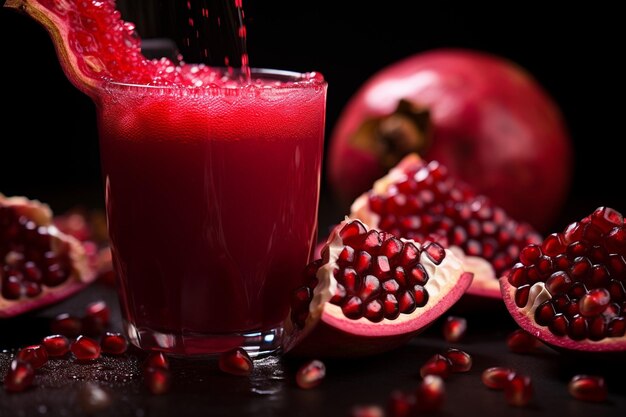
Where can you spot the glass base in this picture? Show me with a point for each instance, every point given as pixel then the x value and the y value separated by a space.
pixel 256 343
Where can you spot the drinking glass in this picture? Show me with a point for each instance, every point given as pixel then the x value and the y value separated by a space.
pixel 212 199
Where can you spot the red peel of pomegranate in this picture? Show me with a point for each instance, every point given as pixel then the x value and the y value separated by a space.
pixel 570 294
pixel 480 115
pixel 421 201
pixel 371 292
pixel 39 265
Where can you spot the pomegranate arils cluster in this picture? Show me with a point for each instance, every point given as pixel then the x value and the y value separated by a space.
pixel 429 204
pixel 367 284
pixel 31 256
pixel 584 271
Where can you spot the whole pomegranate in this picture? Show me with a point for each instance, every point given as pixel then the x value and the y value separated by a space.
pixel 483 117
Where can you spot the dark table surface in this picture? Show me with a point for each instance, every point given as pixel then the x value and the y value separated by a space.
pixel 200 389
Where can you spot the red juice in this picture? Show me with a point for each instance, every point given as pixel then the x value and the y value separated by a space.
pixel 212 198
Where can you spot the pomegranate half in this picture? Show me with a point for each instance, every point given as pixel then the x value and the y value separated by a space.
pixel 569 291
pixel 422 201
pixel 371 292
pixel 39 265
pixel 483 117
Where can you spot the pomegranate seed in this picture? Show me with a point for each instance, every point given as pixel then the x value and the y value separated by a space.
pixel 521 295
pixel 400 404
pixel 36 355
pixel 496 377
pixel 19 377
pixel 409 255
pixel 454 329
pixel 157 380
pixel 66 325
pixel 346 256
pixel 520 341
pixel 370 287
pixel 311 374
pixel 391 248
pixel 114 344
pixel 461 361
pixel 418 275
pixel 56 345
pixel 236 362
pixel 100 310
pixel 605 218
pixel 367 411
pixel 429 394
pixel 594 302
pixel 352 230
pixel 558 283
pixel 578 327
pixel 156 360
pixel 553 245
pixel 530 254
pixel 85 349
pixel 353 308
pixel 518 276
pixel 588 388
pixel 559 324
pixel 437 365
pixel 617 327
pixel 518 390
pixel 363 262
pixel 93 399
pixel 435 252
pixel 544 313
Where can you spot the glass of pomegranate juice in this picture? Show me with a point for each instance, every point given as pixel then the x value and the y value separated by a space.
pixel 212 197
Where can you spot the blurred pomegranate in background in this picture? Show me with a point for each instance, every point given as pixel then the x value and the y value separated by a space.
pixel 483 117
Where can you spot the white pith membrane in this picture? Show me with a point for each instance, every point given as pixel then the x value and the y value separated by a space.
pixel 81 274
pixel 526 320
pixel 446 284
pixel 485 281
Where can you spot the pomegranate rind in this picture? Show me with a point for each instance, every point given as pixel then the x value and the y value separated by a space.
pixel 58 29
pixel 525 319
pixel 485 283
pixel 328 333
pixel 82 274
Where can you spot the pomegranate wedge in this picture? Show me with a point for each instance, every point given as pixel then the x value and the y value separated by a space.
pixel 39 265
pixel 569 290
pixel 372 292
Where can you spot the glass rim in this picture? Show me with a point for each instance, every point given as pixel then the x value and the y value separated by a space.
pixel 291 79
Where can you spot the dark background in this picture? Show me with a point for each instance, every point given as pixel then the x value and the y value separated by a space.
pixel 572 51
